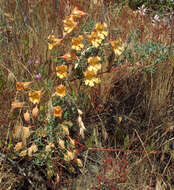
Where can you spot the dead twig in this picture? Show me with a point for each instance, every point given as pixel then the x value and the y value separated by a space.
pixel 144 149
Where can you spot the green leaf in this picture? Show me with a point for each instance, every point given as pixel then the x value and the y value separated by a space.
pixel 68 123
pixel 126 142
pixel 42 108
pixel 166 148
pixel 89 142
pixel 150 147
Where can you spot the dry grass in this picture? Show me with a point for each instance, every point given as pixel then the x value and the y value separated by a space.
pixel 9 178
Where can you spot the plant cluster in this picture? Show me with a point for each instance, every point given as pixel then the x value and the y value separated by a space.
pixel 49 140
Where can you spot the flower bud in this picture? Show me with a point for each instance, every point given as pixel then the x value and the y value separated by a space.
pixel 65 130
pixel 61 143
pixel 71 141
pixel 79 163
pixel 68 156
pixel 35 111
pixel 27 116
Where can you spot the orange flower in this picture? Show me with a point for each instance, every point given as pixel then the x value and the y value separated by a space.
pixel 51 37
pixel 69 56
pixel 51 45
pixel 53 41
pixel 35 96
pixel 77 43
pixel 66 57
pixel 58 111
pixel 100 27
pixel 76 13
pixel 19 86
pixel 61 90
pixel 61 71
pixel 22 85
pixel 69 24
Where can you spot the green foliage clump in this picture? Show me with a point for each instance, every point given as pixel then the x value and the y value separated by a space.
pixel 145 54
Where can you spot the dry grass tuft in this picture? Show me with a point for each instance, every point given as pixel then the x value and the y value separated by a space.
pixel 8 177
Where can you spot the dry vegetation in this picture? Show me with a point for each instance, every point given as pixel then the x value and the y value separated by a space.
pixel 128 142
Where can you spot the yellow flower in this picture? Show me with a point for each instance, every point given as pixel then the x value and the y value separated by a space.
pixel 69 156
pixel 57 40
pixel 61 71
pixel 65 130
pixel 51 37
pixel 77 43
pixel 41 132
pixel 76 13
pixel 91 78
pixel 61 90
pixel 58 111
pixel 71 141
pixel 101 29
pixel 95 67
pixel 94 60
pixel 117 46
pixel 95 39
pixel 53 41
pixel 49 147
pixel 32 149
pixel 98 35
pixel 35 96
pixel 103 34
pixel 93 63
pixel 61 143
pixel 79 162
pixel 18 146
pixel 69 24
pixel 51 45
